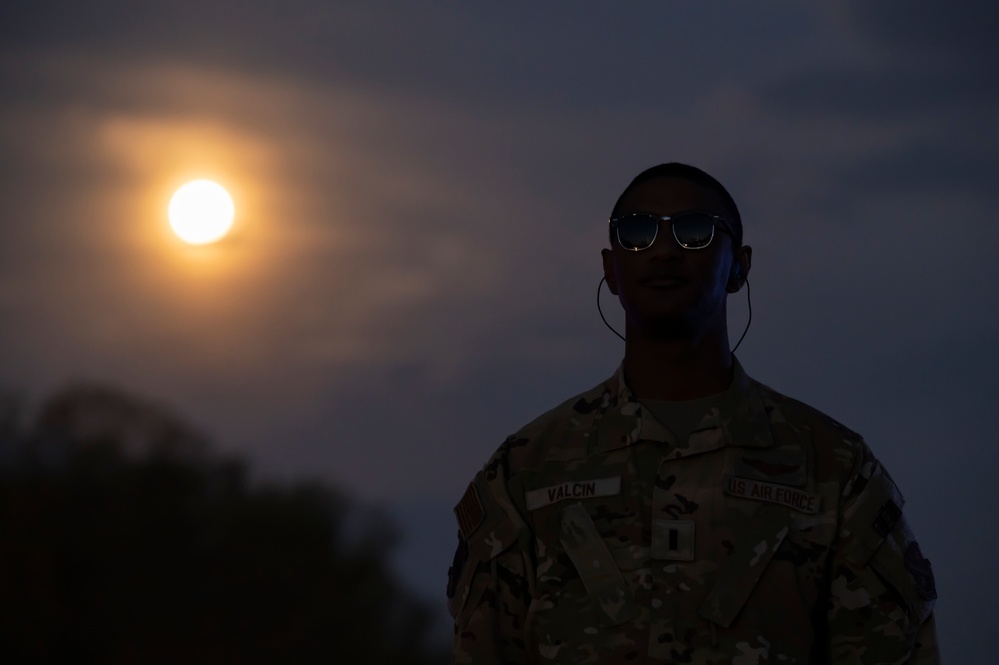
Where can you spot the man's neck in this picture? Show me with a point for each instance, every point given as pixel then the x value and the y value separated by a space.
pixel 677 369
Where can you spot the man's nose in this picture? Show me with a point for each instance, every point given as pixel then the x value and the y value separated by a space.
pixel 665 248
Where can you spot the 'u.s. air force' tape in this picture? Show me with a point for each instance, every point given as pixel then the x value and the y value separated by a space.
pixel 577 489
pixel 791 497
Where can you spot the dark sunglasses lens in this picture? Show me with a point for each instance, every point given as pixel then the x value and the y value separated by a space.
pixel 637 231
pixel 694 230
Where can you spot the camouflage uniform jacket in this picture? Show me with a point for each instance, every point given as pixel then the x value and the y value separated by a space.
pixel 772 535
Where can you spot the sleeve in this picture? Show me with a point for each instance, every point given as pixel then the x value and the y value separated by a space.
pixel 489 582
pixel 882 592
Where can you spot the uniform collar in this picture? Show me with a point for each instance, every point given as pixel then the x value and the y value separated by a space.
pixel 739 420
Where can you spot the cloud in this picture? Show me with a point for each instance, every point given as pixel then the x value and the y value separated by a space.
pixel 357 252
pixel 926 29
pixel 395 225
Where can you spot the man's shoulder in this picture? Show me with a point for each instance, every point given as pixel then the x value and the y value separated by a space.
pixel 562 428
pixel 827 437
pixel 785 409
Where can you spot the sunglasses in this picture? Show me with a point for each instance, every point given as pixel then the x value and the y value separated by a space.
pixel 692 230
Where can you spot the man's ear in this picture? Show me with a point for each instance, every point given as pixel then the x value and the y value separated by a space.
pixel 609 274
pixel 741 264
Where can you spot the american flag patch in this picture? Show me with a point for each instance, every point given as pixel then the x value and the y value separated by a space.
pixel 469 511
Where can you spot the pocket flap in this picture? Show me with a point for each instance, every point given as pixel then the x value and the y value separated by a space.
pixel 743 569
pixel 596 566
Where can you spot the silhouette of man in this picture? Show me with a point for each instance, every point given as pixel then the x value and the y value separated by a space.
pixel 681 511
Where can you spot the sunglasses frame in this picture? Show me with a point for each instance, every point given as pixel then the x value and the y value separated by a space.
pixel 717 221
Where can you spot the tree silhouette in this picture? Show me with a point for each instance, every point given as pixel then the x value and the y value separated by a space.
pixel 124 539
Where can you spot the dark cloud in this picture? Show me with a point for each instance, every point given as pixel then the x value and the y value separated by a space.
pixel 963 30
pixel 920 59
pixel 918 166
pixel 551 53
pixel 894 93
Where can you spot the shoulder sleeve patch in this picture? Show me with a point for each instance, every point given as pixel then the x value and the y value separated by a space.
pixel 900 565
pixel 921 571
pixel 469 512
pixel 874 508
pixel 887 517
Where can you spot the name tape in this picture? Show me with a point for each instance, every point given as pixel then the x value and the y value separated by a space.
pixel 786 496
pixel 583 489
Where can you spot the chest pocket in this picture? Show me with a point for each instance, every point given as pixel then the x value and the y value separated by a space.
pixel 612 598
pixel 738 576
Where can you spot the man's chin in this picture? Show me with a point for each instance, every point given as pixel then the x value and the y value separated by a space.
pixel 675 320
pixel 665 326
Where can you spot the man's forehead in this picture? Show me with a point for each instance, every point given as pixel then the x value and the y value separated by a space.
pixel 670 194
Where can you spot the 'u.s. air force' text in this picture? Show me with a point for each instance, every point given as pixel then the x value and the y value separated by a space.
pixel 774 493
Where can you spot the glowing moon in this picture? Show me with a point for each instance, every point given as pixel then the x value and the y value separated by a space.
pixel 201 212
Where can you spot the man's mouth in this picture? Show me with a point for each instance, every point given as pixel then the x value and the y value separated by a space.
pixel 665 280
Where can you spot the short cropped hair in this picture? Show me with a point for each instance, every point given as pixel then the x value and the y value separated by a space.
pixel 687 172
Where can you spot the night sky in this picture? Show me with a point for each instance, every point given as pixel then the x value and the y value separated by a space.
pixel 422 192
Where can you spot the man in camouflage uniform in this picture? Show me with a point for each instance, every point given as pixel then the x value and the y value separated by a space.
pixel 681 512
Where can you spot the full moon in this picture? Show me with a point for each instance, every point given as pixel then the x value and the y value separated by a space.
pixel 201 212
